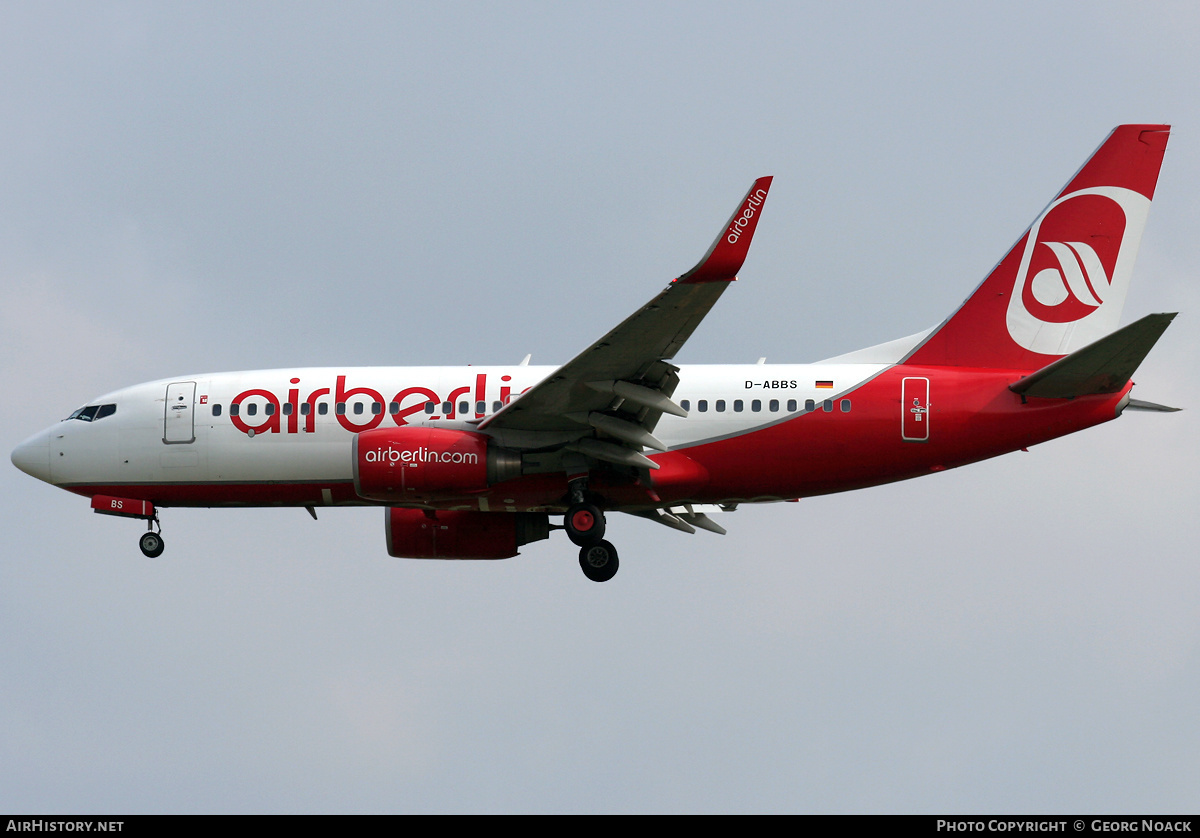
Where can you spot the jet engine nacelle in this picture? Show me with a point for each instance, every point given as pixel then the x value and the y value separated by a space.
pixel 459 534
pixel 422 463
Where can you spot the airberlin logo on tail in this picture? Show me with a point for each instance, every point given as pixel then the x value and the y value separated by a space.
pixel 1079 275
pixel 1075 269
pixel 742 221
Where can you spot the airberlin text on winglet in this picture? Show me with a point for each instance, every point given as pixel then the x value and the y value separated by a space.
pixel 748 212
pixel 728 252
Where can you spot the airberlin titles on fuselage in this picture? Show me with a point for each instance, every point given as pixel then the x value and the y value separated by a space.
pixel 294 414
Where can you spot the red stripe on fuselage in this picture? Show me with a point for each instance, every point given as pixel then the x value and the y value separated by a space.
pixel 972 416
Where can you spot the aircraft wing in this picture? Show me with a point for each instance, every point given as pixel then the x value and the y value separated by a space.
pixel 621 384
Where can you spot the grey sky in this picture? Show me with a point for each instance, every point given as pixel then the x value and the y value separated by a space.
pixel 189 188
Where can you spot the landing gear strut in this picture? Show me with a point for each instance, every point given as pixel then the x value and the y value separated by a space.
pixel 151 542
pixel 584 523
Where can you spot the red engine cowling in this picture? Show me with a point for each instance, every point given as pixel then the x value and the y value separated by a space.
pixel 423 463
pixel 459 534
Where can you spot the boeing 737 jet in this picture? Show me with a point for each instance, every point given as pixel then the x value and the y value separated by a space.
pixel 474 462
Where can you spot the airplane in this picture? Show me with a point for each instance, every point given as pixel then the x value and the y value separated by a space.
pixel 472 462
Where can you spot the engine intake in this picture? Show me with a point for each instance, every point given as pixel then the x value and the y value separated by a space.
pixel 422 464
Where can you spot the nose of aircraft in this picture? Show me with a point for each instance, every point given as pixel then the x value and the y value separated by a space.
pixel 33 456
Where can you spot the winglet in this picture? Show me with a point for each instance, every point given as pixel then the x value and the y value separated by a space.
pixel 727 254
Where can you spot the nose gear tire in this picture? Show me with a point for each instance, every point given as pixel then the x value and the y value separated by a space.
pixel 151 544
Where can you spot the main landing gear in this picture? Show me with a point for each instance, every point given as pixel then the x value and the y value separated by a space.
pixel 151 542
pixel 584 523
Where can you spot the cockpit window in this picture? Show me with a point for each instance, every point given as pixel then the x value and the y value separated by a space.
pixel 93 412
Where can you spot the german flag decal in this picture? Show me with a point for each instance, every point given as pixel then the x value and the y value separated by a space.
pixel 824 385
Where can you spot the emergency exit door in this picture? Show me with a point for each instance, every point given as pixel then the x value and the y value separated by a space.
pixel 914 410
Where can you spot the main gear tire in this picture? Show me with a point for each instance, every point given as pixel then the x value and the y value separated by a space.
pixel 584 523
pixel 599 561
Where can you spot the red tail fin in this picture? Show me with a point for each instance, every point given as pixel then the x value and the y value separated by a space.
pixel 1063 284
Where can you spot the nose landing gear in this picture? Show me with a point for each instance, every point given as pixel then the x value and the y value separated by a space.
pixel 151 542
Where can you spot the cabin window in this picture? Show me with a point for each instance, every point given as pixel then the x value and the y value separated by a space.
pixel 305 409
pixel 464 407
pixel 686 404
pixel 393 408
pixel 720 405
pixel 737 405
pixel 430 407
pixel 774 405
pixel 252 409
pixel 827 405
pixel 341 408
pixel 269 408
pixel 845 405
pixel 323 408
pixel 702 405
pixel 216 410
pixel 481 407
pixel 358 408
pixel 448 408
pixel 791 405
pixel 376 409
pixel 496 406
pixel 810 405
pixel 287 408
pixel 235 409
pixel 756 405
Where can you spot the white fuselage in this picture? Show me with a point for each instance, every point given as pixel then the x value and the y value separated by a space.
pixel 296 425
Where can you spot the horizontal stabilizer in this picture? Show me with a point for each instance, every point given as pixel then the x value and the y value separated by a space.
pixel 1101 367
pixel 1138 404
